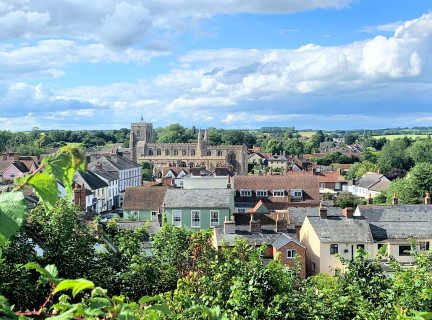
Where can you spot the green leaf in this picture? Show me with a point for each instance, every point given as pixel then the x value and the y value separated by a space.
pixel 146 299
pixel 36 266
pixel 161 308
pixel 46 189
pixel 77 286
pixel 13 211
pixel 52 270
pixel 63 164
pixel 98 291
pixel 70 314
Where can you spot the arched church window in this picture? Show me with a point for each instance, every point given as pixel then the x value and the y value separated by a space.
pixel 192 152
pixel 159 152
pixel 167 152
pixel 150 152
pixel 219 153
pixel 209 153
pixel 176 152
pixel 183 152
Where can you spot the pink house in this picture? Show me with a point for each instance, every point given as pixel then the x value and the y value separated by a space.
pixel 16 169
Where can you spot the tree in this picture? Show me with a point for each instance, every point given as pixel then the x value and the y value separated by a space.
pixel 394 155
pixel 350 137
pixel 215 138
pixel 293 146
pixel 273 146
pixel 421 151
pixel 317 138
pixel 346 199
pixel 174 133
pixel 233 137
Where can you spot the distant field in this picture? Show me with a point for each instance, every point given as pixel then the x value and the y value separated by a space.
pixel 307 134
pixel 73 144
pixel 395 136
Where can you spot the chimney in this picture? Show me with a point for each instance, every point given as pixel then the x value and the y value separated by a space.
pixel 428 199
pixel 229 182
pixel 86 163
pixel 5 157
pixel 322 212
pixel 80 196
pixel 229 226
pixel 370 200
pixel 281 224
pixel 395 200
pixel 348 212
pixel 16 156
pixel 254 225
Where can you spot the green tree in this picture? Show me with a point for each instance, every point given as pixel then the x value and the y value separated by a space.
pixel 273 146
pixel 174 133
pixel 394 155
pixel 421 151
pixel 233 137
pixel 293 146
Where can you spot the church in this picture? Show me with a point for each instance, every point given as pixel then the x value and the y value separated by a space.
pixel 199 154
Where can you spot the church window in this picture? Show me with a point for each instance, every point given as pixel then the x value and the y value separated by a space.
pixel 219 153
pixel 158 152
pixel 192 152
pixel 150 152
pixel 167 152
pixel 176 152
pixel 209 153
pixel 183 152
pixel 138 134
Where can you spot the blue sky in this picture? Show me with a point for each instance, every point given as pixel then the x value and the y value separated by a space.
pixel 322 64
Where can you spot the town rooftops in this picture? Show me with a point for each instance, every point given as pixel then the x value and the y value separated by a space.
pixel 297 215
pixel 370 179
pixel 144 198
pixel 341 229
pixel 110 176
pixel 330 176
pixel 398 213
pixel 175 170
pixel 197 198
pixel 20 166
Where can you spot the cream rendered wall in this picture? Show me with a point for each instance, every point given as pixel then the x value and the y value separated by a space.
pixel 393 249
pixel 310 240
pixel 205 182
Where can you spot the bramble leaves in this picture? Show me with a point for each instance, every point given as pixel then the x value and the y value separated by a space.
pixel 76 285
pixel 63 164
pixel 13 211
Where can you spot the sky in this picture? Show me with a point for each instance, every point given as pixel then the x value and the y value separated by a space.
pixel 316 64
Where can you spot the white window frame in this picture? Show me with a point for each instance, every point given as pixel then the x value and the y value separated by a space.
pixel 291 253
pixel 338 186
pixel 194 223
pixel 12 174
pixel 135 215
pixel 423 245
pixel 322 185
pixel 214 222
pixel 262 193
pixel 278 193
pixel 245 193
pixel 297 193
pixel 154 215
pixel 174 221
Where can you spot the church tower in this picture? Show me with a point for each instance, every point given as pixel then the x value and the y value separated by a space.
pixel 140 132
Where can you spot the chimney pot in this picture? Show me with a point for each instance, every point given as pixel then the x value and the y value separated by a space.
pixel 322 212
pixel 254 225
pixel 229 226
pixel 395 200
pixel 428 199
pixel 370 200
pixel 348 212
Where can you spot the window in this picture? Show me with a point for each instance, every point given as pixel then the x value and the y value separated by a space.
pixel 313 266
pixel 278 193
pixel 209 153
pixel 403 249
pixel 181 183
pixel 262 193
pixel 12 174
pixel 337 186
pixel 380 245
pixel 138 134
pixel 158 152
pixel 150 152
pixel 183 152
pixel 333 248
pixel 360 246
pixel 241 210
pixel 192 152
pixel 154 215
pixel 219 153
pixel 177 218
pixel 196 219
pixel 245 193
pixel 423 245
pixel 167 152
pixel 291 253
pixel 322 185
pixel 135 215
pixel 296 193
pixel 176 152
pixel 214 218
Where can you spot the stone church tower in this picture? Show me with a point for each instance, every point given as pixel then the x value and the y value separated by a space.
pixel 141 132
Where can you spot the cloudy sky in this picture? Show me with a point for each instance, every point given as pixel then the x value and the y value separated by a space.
pixel 327 64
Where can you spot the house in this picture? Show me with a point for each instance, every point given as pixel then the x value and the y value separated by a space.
pixel 199 178
pixel 278 163
pixel 325 236
pixel 112 179
pixel 280 243
pixel 143 203
pixel 14 170
pixel 12 165
pixel 370 183
pixel 129 172
pixel 393 225
pixel 331 180
pixel 278 192
pixel 174 175
pixel 197 209
pixel 97 191
pixel 257 158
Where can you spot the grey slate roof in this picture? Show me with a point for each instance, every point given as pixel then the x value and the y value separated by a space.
pixel 370 179
pixel 298 214
pixel 91 181
pixel 399 213
pixel 114 162
pixel 107 175
pixel 341 229
pixel 283 239
pixel 197 198
pixel 398 222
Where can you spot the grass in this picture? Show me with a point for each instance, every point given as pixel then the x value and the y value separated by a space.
pixel 396 136
pixel 307 134
pixel 73 144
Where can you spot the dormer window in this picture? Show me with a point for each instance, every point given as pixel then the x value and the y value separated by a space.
pixel 278 193
pixel 262 193
pixel 296 193
pixel 245 193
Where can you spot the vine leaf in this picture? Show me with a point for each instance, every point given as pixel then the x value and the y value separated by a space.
pixel 13 211
pixel 63 164
pixel 46 189
pixel 76 286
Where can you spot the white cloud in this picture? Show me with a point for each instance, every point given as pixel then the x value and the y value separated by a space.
pixel 392 26
pixel 19 24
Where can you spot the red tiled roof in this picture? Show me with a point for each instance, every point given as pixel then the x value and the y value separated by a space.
pixel 257 206
pixel 144 198
pixel 330 176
